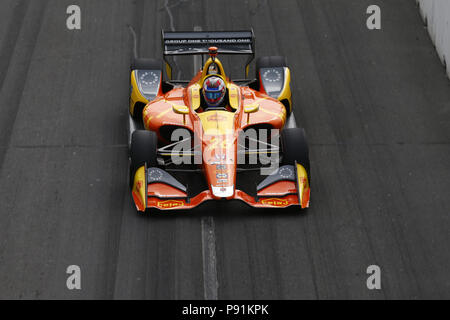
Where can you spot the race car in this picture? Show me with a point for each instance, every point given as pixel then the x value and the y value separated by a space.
pixel 213 138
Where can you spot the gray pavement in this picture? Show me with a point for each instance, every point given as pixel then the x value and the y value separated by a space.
pixel 375 106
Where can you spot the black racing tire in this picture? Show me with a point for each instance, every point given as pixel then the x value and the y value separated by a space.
pixel 270 62
pixel 295 148
pixel 137 112
pixel 144 146
pixel 146 64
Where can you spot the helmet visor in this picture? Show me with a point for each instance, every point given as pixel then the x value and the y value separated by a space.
pixel 213 96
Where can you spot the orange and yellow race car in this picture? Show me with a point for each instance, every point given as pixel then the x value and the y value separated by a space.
pixel 239 136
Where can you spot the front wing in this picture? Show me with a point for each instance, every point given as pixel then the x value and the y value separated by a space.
pixel 157 189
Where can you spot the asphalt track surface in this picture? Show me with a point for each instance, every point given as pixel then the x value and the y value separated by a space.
pixel 375 106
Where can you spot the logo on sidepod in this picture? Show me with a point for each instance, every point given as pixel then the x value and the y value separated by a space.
pixel 168 204
pixel 275 202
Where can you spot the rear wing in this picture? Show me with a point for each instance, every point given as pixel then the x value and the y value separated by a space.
pixel 198 42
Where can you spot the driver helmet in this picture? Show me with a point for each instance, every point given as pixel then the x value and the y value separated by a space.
pixel 214 91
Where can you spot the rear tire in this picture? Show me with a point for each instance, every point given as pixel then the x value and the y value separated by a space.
pixel 295 148
pixel 144 146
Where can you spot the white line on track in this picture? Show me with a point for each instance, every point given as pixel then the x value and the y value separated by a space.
pixel 210 282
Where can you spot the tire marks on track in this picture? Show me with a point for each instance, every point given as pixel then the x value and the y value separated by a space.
pixel 9 43
pixel 23 43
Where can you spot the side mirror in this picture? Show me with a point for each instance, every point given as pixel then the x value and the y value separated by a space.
pixel 251 108
pixel 180 109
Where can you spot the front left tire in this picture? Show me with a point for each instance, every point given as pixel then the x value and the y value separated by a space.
pixel 144 146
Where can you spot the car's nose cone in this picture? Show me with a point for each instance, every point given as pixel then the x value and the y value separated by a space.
pixel 222 192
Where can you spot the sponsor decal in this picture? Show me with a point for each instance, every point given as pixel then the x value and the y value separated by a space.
pixel 220 158
pixel 207 41
pixel 217 117
pixel 168 204
pixel 275 202
pixel 155 175
pixel 286 172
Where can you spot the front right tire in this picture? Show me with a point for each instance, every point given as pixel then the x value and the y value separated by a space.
pixel 295 148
